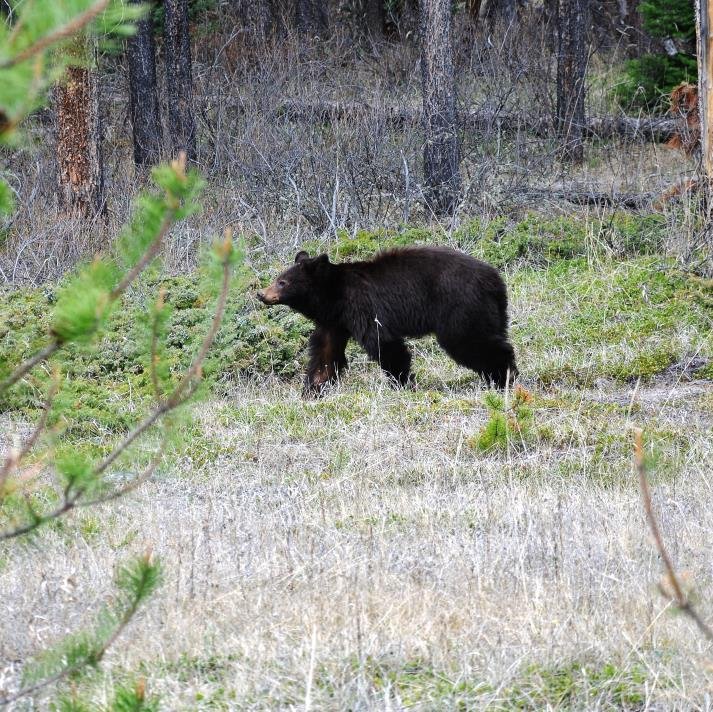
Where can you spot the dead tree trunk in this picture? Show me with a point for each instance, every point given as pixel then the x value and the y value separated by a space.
pixel 79 156
pixel 179 79
pixel 572 56
pixel 260 18
pixel 501 11
pixel 408 19
pixel 441 154
pixel 701 246
pixel 311 17
pixel 143 95
pixel 374 17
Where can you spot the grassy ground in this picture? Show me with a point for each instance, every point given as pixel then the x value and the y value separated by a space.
pixel 361 551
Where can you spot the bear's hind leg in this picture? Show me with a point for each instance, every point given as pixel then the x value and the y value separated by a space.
pixel 493 359
pixel 327 358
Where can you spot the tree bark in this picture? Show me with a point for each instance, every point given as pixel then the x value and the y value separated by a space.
pixel 374 16
pixel 702 244
pixel 501 10
pixel 143 94
pixel 79 156
pixel 441 152
pixel 311 17
pixel 572 56
pixel 179 79
pixel 473 8
pixel 260 18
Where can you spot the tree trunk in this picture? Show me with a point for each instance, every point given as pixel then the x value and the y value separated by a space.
pixel 550 11
pixel 572 56
pixel 408 19
pixel 79 156
pixel 311 17
pixel 258 17
pixel 441 151
pixel 473 8
pixel 179 80
pixel 501 11
pixel 143 95
pixel 699 246
pixel 631 25
pixel 374 16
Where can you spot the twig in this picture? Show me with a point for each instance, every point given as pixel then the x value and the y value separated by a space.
pixel 676 594
pixel 95 656
pixel 29 364
pixel 149 254
pixel 61 33
pixel 181 393
pixel 154 343
pixel 15 457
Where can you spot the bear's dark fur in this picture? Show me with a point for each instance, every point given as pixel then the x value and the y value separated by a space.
pixel 399 294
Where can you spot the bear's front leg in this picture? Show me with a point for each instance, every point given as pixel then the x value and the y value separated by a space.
pixel 327 359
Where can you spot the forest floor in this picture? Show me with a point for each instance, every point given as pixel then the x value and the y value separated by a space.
pixel 362 552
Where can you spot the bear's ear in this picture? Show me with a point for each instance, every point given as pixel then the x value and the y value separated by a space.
pixel 301 256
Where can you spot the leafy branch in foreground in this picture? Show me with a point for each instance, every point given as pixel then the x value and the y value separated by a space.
pixel 672 589
pixel 135 582
pixel 83 307
pixel 82 481
pixel 87 301
pixel 29 60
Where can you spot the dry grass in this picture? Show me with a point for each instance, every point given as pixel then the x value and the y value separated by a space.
pixel 358 554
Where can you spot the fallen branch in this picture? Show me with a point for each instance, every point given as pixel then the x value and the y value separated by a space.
pixel 631 201
pixel 658 129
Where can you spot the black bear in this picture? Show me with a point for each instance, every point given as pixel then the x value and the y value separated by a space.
pixel 402 293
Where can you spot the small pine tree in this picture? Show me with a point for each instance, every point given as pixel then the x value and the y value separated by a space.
pixel 33 55
pixel 507 422
pixel 650 79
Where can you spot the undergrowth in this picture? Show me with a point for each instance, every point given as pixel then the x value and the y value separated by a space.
pixel 585 304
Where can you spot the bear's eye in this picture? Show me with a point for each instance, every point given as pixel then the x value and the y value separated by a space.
pixel 281 283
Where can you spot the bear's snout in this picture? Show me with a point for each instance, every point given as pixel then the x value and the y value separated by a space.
pixel 268 296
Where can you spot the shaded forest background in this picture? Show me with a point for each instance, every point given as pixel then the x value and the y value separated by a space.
pixel 308 119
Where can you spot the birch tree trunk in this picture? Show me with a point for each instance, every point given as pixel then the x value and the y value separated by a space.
pixel 179 79
pixel 80 169
pixel 143 94
pixel 572 56
pixel 441 153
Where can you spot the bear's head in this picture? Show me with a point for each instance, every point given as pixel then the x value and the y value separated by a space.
pixel 299 286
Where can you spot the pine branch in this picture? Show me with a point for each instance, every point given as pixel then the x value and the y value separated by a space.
pixel 182 392
pixel 14 458
pixel 26 366
pixel 144 581
pixel 72 28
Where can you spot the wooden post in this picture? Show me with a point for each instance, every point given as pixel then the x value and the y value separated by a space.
pixel 705 89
